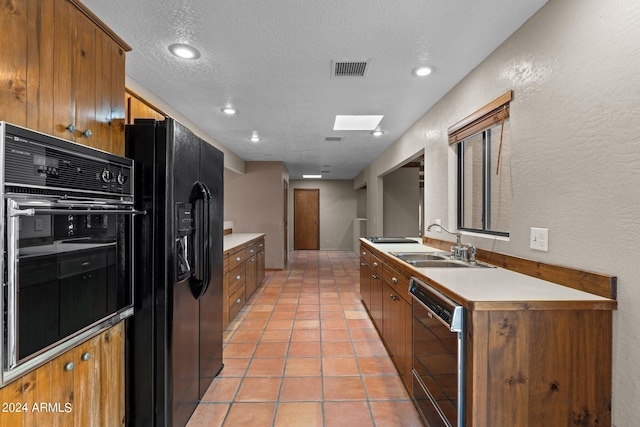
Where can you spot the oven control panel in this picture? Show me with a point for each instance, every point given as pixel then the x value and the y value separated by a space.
pixel 36 160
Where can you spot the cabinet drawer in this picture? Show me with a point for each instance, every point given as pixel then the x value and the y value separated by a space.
pixel 236 278
pixel 251 250
pixel 399 282
pixel 260 245
pixel 236 257
pixel 365 255
pixel 376 265
pixel 236 302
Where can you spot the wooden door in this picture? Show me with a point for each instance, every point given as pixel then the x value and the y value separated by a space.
pixel 286 221
pixel 306 218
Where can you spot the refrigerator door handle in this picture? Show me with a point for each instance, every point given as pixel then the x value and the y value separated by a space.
pixel 201 194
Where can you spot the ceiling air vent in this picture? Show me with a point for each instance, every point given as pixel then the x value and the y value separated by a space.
pixel 333 139
pixel 349 68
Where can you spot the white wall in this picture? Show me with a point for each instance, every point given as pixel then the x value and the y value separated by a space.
pixel 575 159
pixel 254 201
pixel 401 195
pixel 338 208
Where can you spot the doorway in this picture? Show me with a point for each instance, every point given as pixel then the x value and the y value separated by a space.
pixel 306 219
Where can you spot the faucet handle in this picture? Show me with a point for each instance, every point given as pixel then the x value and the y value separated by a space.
pixel 472 253
pixel 463 253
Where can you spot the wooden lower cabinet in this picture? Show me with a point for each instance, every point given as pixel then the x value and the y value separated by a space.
pixel 397 321
pixel 243 273
pixel 82 387
pixel 365 277
pixel 375 307
pixel 529 365
pixel 539 368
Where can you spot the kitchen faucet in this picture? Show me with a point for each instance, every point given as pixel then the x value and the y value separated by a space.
pixel 457 233
pixel 459 251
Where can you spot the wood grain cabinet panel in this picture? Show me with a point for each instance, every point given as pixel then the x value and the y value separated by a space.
pixel 244 274
pixel 375 307
pixel 137 108
pixel 365 277
pixel 60 68
pixel 82 387
pixel 538 365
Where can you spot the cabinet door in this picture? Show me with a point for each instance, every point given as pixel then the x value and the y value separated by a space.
pixel 365 277
pixel 137 109
pixel 86 383
pixel 375 309
pixel 62 384
pixel 261 266
pixel 252 276
pixel 112 376
pixel 397 330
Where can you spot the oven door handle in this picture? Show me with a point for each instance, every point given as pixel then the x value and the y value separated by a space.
pixel 13 227
pixel 13 212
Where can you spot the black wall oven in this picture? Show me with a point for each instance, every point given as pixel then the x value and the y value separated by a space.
pixel 67 240
pixel 438 356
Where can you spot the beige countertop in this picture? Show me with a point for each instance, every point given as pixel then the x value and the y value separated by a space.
pixel 489 284
pixel 232 240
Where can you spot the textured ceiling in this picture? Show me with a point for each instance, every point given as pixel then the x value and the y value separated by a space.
pixel 271 60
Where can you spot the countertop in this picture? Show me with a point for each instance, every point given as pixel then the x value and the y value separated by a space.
pixel 489 285
pixel 232 240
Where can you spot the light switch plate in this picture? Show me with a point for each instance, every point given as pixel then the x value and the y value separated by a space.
pixel 539 239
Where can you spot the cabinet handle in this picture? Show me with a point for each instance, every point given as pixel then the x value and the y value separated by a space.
pixel 393 297
pixel 86 356
pixel 252 260
pixel 251 251
pixel 363 264
pixel 261 245
pixel 87 133
pixel 364 253
pixel 375 264
pixel 238 301
pixel 69 366
pixel 72 128
pixel 238 277
pixel 374 277
pixel 394 280
pixel 238 259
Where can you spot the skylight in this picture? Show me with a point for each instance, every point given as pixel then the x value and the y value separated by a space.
pixel 357 122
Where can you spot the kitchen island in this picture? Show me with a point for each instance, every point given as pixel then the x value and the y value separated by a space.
pixel 536 353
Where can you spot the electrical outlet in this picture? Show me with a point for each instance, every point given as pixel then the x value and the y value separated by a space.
pixel 539 239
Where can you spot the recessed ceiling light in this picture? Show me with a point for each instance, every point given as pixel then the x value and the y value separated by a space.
pixel 357 122
pixel 423 71
pixel 312 176
pixel 229 111
pixel 184 51
pixel 254 137
pixel 377 132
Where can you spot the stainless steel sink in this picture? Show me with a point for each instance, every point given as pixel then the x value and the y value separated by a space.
pixel 421 256
pixel 436 259
pixel 449 264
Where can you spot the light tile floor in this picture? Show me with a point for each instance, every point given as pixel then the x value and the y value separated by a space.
pixel 303 352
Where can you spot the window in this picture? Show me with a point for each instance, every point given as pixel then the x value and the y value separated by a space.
pixel 483 168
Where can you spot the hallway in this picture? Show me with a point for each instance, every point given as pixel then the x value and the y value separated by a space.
pixel 303 352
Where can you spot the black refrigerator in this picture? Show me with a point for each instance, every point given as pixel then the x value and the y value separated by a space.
pixel 174 338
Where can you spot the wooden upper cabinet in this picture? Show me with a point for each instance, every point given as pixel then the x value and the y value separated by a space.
pixel 62 66
pixel 138 108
